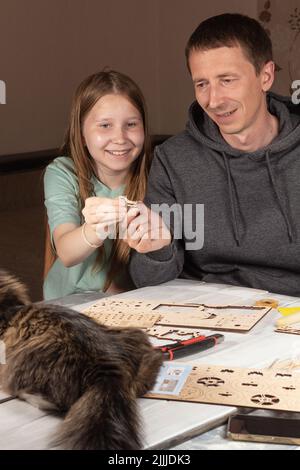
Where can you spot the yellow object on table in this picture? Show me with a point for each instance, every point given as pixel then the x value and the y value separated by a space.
pixel 290 315
pixel 285 311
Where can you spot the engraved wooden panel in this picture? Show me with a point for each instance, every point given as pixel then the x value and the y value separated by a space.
pixel 290 329
pixel 253 388
pixel 125 319
pixel 227 318
pixel 120 306
pixel 186 315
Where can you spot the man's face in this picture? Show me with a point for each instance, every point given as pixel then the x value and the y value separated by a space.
pixel 228 89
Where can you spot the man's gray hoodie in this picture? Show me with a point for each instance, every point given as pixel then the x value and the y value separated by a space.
pixel 251 206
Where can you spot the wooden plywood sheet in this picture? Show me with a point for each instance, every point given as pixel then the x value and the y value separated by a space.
pixel 120 306
pixel 223 385
pixel 123 313
pixel 293 329
pixel 125 319
pixel 227 317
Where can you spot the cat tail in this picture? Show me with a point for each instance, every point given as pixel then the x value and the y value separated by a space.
pixel 13 293
pixel 104 417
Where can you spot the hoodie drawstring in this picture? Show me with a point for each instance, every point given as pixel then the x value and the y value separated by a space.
pixel 232 200
pixel 280 203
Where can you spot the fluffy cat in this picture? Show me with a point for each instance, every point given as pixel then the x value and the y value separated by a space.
pixel 62 360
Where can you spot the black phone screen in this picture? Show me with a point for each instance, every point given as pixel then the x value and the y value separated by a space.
pixel 243 427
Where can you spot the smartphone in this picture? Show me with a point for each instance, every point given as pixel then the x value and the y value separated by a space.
pixel 254 428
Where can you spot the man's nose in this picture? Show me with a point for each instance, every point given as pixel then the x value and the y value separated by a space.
pixel 215 98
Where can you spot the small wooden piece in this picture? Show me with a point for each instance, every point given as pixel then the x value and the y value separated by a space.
pixel 173 333
pixel 272 303
pixel 129 204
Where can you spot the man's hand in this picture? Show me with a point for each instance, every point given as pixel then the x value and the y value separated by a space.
pixel 144 230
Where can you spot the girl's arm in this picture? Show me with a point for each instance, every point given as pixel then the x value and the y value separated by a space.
pixel 71 247
pixel 74 244
pixel 72 240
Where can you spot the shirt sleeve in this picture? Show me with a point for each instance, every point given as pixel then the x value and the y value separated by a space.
pixel 61 194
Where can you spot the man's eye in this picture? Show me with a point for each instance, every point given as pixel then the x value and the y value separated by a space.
pixel 201 86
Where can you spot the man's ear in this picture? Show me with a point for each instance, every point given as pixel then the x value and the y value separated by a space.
pixel 267 75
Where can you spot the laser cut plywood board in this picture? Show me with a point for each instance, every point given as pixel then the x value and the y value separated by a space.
pixel 120 306
pixel 187 315
pixel 254 388
pixel 125 319
pixel 123 313
pixel 290 329
pixel 226 318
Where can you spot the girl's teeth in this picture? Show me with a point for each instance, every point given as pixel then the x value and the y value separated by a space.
pixel 119 153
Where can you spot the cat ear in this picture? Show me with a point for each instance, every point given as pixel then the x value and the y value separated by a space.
pixel 12 291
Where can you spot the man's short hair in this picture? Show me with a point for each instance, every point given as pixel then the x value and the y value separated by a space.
pixel 229 30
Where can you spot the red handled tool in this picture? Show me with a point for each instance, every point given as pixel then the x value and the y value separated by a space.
pixel 190 346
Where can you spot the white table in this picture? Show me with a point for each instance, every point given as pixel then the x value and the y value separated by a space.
pixel 170 424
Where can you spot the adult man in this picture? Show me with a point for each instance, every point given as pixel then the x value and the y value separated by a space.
pixel 238 157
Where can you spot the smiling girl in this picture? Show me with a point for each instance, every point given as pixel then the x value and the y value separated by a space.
pixel 106 154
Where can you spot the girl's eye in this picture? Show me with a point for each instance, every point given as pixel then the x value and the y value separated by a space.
pixel 104 125
pixel 132 124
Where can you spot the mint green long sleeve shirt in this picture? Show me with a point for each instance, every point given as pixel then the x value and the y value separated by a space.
pixel 61 200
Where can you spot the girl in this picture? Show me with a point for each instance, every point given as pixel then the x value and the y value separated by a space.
pixel 106 154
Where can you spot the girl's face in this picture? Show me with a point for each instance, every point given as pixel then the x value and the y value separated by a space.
pixel 113 132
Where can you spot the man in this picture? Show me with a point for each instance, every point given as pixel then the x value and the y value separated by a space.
pixel 239 156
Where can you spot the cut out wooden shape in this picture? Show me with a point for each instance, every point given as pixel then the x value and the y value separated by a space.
pixel 173 333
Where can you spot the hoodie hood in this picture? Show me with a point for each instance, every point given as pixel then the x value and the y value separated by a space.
pixel 204 130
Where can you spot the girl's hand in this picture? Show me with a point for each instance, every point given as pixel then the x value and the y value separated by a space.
pixel 103 214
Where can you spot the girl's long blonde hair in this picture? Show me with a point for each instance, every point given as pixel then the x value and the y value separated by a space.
pixel 88 93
